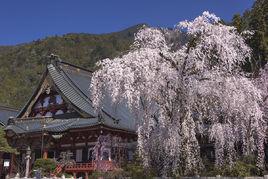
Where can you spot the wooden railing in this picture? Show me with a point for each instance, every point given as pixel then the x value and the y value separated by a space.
pixel 92 166
pixel 79 167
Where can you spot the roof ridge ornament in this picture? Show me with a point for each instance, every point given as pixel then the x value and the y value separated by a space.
pixel 10 120
pixel 54 58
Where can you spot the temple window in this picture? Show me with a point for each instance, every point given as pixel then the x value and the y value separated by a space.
pixel 78 156
pixel 59 112
pixel 48 114
pixel 58 99
pixel 38 105
pixel 90 154
pixel 52 100
pixel 46 102
pixel 49 105
pixel 130 155
pixel 106 154
pixel 38 115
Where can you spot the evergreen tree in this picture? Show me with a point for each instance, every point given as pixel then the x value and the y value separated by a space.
pixel 4 146
pixel 255 20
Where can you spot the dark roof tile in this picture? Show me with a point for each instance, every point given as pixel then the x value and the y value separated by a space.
pixel 73 83
pixel 5 113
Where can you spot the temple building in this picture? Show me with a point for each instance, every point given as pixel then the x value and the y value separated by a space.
pixel 59 118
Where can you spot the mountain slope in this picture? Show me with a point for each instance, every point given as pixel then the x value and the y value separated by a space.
pixel 21 66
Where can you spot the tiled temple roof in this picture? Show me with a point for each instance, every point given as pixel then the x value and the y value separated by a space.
pixel 5 113
pixel 60 125
pixel 73 84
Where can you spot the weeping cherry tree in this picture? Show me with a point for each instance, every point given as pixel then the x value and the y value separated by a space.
pixel 183 93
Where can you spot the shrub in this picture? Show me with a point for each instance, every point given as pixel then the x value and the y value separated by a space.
pixel 133 169
pixel 46 166
pixel 110 174
pixel 245 166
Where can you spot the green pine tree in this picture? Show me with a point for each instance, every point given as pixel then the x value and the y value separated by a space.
pixel 4 146
pixel 255 20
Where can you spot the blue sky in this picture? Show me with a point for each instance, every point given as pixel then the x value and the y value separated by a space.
pixel 26 20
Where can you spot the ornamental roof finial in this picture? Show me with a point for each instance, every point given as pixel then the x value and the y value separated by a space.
pixel 54 58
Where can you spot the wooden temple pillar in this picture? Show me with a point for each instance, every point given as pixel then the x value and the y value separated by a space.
pixel 12 164
pixel 27 158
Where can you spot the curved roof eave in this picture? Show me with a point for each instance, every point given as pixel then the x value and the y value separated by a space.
pixel 69 90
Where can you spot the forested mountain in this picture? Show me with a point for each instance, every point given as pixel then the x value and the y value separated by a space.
pixel 256 20
pixel 21 66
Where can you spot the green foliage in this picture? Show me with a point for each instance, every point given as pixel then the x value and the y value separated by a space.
pixel 134 173
pixel 237 22
pixel 255 20
pixel 46 166
pixel 244 167
pixel 21 66
pixel 133 169
pixel 111 174
pixel 4 146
